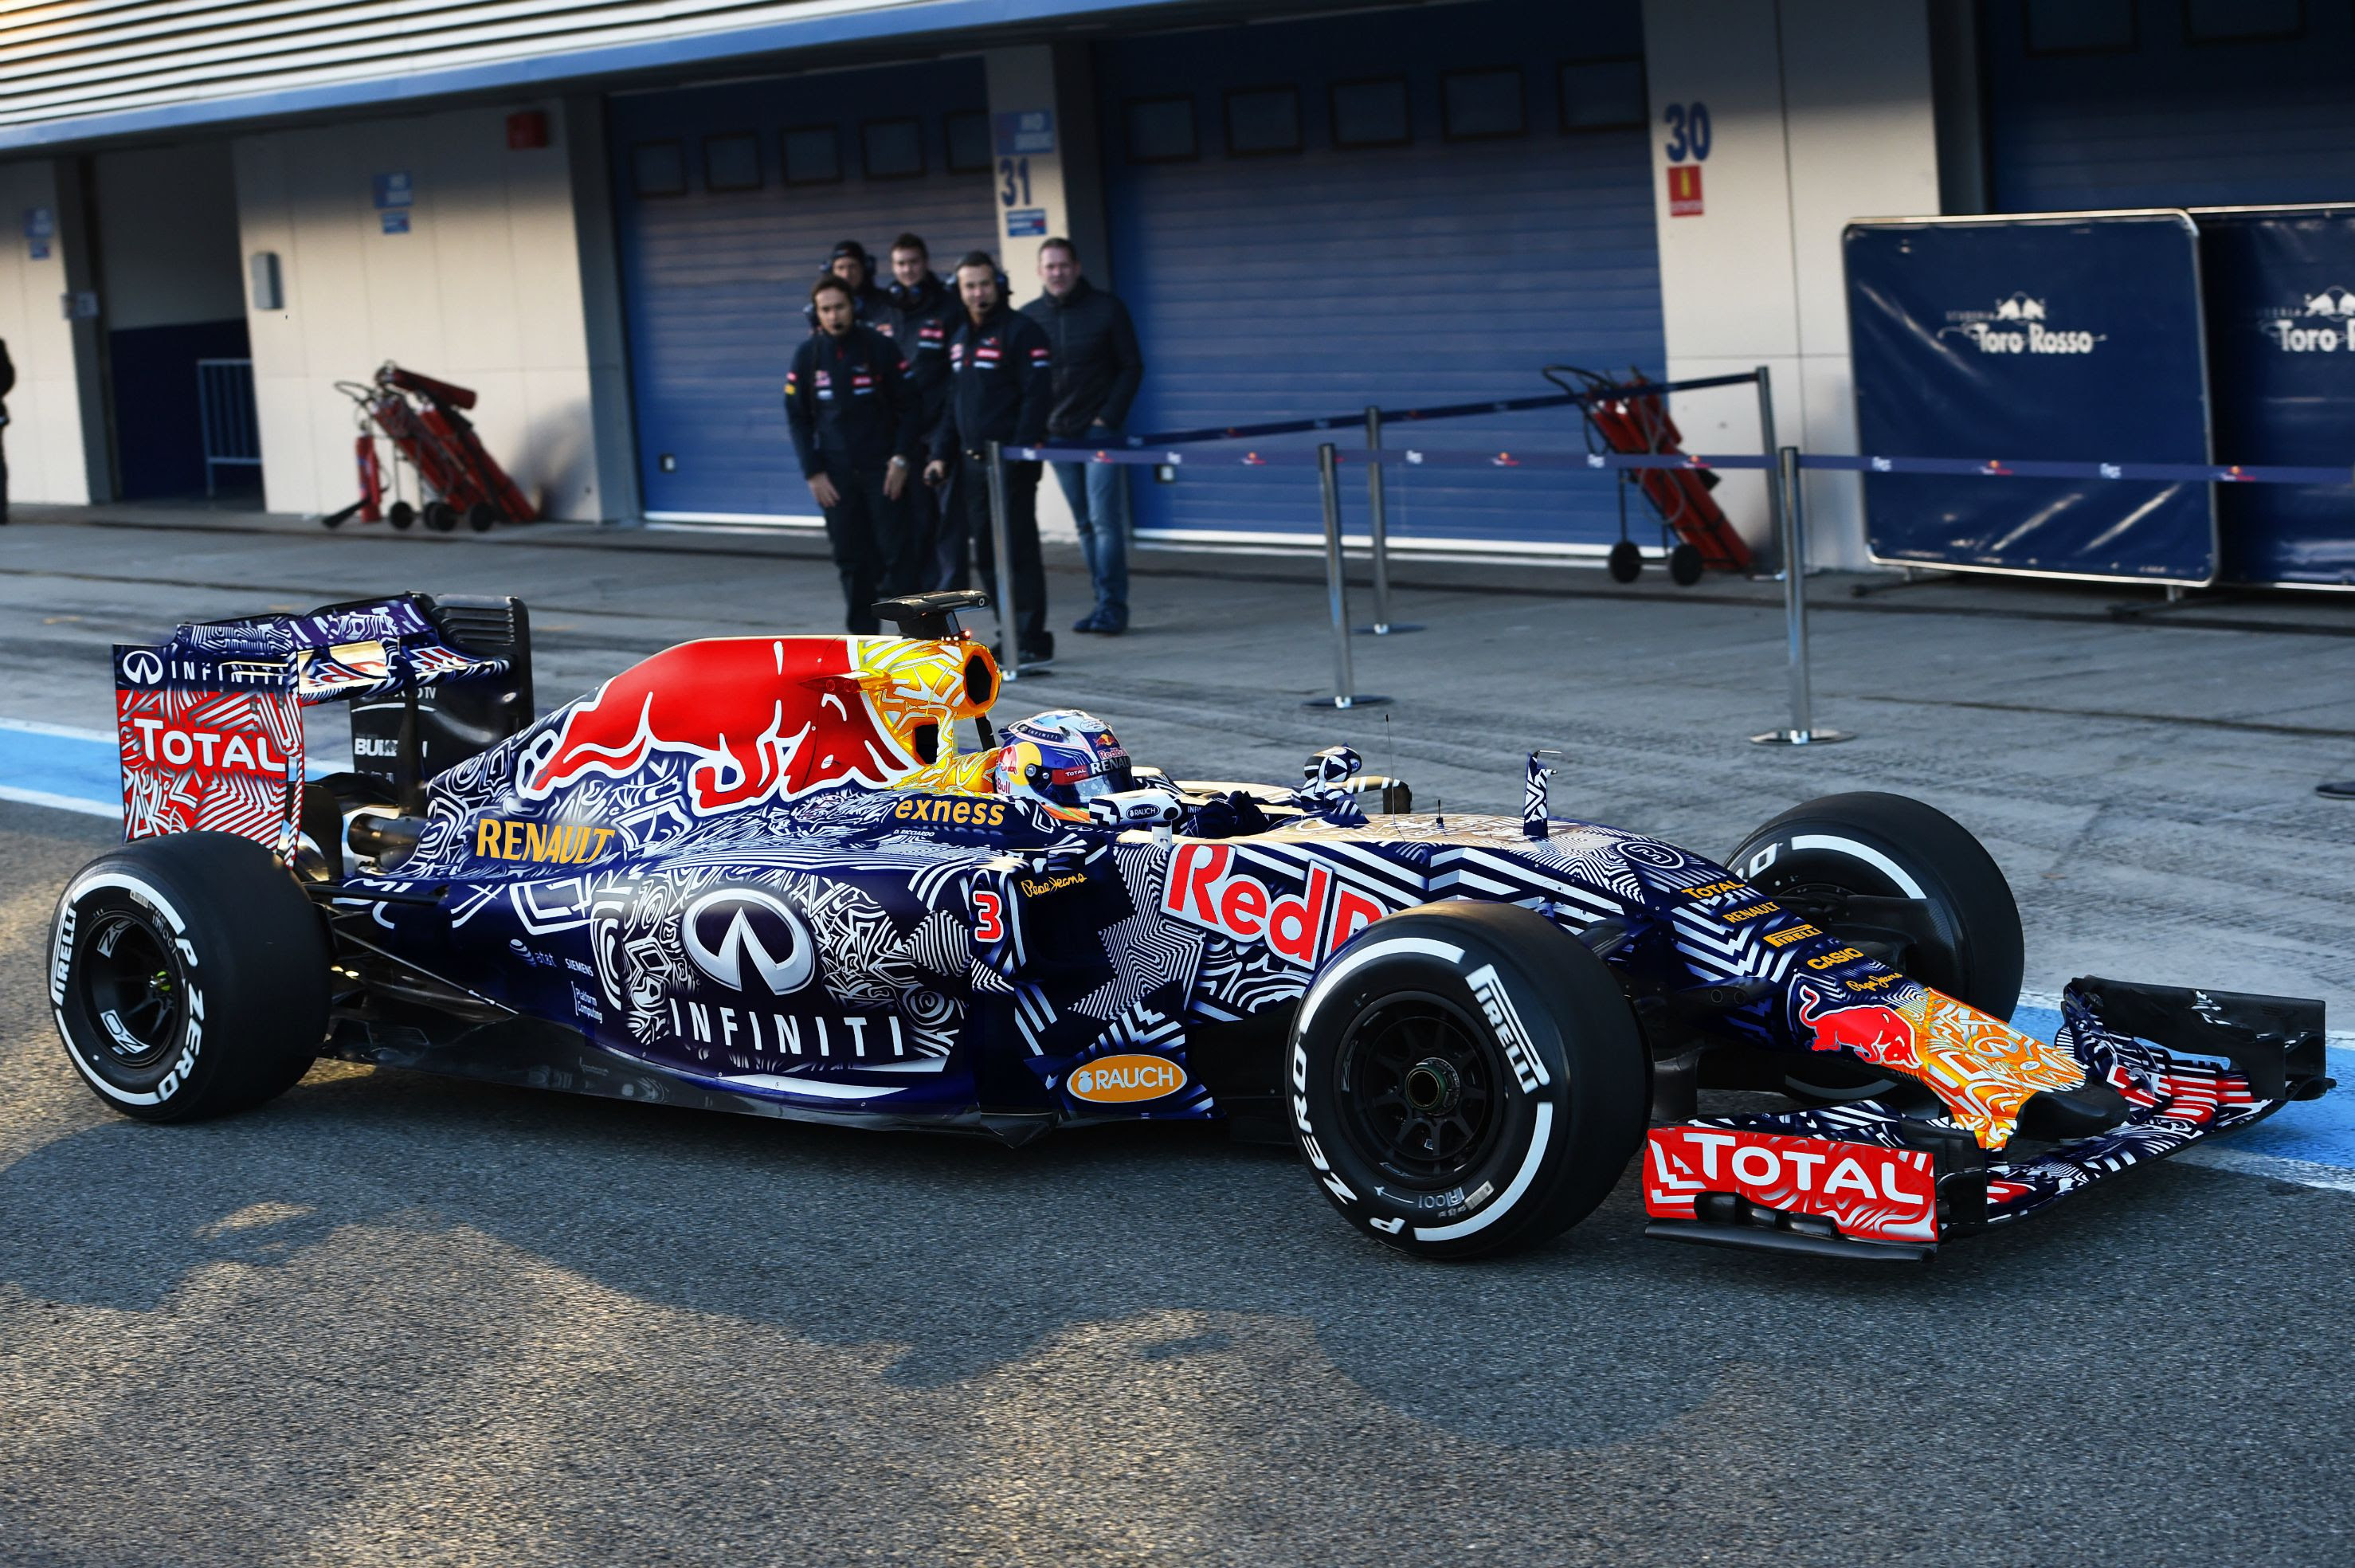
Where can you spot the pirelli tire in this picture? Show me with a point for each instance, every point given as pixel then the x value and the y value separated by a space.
pixel 188 975
pixel 1822 855
pixel 1466 1079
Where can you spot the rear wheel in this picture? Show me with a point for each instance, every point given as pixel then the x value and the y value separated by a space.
pixel 1907 883
pixel 401 514
pixel 1684 566
pixel 480 516
pixel 441 517
pixel 1466 1079
pixel 188 975
pixel 1626 561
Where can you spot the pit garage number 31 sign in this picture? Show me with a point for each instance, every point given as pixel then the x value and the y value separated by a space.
pixel 1688 149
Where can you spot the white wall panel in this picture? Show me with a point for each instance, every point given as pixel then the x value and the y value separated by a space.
pixel 484 290
pixel 44 437
pixel 1820 113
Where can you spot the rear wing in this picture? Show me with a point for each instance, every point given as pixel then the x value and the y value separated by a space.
pixel 210 719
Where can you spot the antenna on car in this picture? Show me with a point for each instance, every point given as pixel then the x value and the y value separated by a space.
pixel 931 617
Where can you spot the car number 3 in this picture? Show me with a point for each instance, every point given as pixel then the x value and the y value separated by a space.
pixel 991 909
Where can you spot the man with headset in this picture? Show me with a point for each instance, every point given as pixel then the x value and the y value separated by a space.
pixel 857 427
pixel 1000 389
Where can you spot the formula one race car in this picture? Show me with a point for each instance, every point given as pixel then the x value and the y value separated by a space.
pixel 766 874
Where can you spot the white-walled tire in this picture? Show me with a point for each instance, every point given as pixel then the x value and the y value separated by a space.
pixel 188 975
pixel 1820 854
pixel 1466 1079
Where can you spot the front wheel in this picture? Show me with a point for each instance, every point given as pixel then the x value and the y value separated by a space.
pixel 1907 883
pixel 188 974
pixel 1466 1079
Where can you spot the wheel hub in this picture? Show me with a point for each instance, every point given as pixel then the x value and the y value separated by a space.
pixel 1432 1086
pixel 1420 1092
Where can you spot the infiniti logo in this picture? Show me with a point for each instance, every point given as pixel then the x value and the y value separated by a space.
pixel 731 930
pixel 143 667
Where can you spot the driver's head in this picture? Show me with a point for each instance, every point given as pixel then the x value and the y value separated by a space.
pixel 1060 761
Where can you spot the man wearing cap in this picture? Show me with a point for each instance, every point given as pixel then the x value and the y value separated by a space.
pixel 851 264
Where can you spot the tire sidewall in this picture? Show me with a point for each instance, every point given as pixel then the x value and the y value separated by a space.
pixel 1497 1201
pixel 112 888
pixel 1818 842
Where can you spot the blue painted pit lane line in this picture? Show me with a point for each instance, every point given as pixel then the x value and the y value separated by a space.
pixel 2312 1143
pixel 62 768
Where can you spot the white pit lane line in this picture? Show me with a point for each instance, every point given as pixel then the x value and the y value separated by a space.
pixel 2310 1142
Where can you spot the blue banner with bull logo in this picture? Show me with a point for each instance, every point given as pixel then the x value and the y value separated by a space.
pixel 2011 338
pixel 2281 363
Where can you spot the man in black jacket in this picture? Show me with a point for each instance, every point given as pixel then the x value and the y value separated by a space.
pixel 7 385
pixel 999 387
pixel 921 316
pixel 857 427
pixel 853 265
pixel 1097 370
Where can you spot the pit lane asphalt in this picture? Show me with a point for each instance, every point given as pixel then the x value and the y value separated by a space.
pixel 391 1318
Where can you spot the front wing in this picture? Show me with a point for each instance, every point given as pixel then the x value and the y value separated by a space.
pixel 1861 1180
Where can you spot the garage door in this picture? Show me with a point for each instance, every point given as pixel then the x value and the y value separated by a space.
pixel 2108 104
pixel 1394 208
pixel 728 201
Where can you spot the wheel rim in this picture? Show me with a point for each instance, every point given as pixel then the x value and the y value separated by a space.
pixel 132 987
pixel 1421 1085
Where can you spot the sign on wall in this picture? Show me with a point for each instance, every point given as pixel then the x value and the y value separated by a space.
pixel 2281 367
pixel 1999 339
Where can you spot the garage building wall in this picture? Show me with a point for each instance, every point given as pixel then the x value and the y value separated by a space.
pixel 1819 113
pixel 2168 103
pixel 718 250
pixel 484 289
pixel 47 434
pixel 1446 263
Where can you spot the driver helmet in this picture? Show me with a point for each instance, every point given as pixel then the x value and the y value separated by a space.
pixel 1059 761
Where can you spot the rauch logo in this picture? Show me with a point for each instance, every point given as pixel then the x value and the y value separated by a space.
pixel 2017 325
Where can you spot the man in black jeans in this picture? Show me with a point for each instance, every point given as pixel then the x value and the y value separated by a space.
pixel 1097 369
pixel 922 316
pixel 857 427
pixel 999 388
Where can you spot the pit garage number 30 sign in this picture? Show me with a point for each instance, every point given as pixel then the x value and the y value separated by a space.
pixel 1687 149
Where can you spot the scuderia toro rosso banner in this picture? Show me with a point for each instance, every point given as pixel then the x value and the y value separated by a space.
pixel 2074 337
pixel 2281 359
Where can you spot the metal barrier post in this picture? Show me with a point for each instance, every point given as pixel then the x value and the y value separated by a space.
pixel 1010 651
pixel 1784 486
pixel 1767 445
pixel 1336 589
pixel 1378 499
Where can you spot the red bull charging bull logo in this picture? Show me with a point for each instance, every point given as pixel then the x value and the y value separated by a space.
pixel 1980 1068
pixel 762 718
pixel 1870 1030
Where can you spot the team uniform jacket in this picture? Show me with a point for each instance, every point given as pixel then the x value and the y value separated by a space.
pixel 1000 385
pixel 850 405
pixel 921 320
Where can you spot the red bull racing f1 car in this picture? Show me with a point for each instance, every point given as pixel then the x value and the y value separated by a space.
pixel 802 877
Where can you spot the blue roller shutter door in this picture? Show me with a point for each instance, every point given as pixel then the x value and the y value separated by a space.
pixel 1273 283
pixel 2094 105
pixel 715 279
